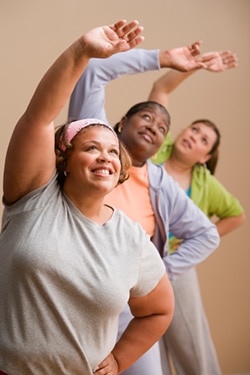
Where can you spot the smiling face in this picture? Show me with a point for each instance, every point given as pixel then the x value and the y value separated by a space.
pixel 144 132
pixel 93 164
pixel 195 143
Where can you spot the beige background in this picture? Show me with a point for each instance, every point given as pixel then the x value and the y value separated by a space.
pixel 33 33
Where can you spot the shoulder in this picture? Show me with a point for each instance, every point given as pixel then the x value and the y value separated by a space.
pixel 159 179
pixel 128 226
pixel 203 177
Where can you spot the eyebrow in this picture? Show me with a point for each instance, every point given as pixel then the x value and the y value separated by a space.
pixel 205 135
pixel 99 143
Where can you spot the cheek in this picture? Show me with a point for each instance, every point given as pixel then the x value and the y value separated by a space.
pixel 77 162
pixel 117 164
pixel 160 140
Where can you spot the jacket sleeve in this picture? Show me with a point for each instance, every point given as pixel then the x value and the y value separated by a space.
pixel 221 202
pixel 178 214
pixel 88 97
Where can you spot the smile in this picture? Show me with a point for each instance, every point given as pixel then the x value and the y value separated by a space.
pixel 147 137
pixel 102 171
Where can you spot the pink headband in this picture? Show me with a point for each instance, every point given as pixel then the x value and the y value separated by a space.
pixel 74 127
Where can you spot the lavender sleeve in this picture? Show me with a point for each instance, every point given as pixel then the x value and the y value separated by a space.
pixel 88 97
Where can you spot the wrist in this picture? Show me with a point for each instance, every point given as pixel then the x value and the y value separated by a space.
pixel 116 361
pixel 164 59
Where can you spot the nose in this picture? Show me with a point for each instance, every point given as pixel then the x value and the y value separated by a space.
pixel 152 127
pixel 104 156
pixel 193 137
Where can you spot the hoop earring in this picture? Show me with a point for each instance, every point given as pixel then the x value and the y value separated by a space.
pixel 119 130
pixel 65 173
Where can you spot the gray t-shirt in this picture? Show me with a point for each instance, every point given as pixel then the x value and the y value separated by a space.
pixel 64 280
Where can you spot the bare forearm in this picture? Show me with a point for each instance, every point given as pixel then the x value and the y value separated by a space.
pixel 227 225
pixel 140 335
pixel 182 62
pixel 58 83
pixel 167 83
pixel 56 86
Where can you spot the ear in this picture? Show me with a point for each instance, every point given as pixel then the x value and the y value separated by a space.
pixel 121 124
pixel 205 159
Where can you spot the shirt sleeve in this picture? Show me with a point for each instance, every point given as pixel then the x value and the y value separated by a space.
pixel 221 202
pixel 151 269
pixel 88 97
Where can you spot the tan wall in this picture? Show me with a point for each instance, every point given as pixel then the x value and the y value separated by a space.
pixel 33 33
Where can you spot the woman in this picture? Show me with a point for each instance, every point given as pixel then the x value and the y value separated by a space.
pixel 138 61
pixel 191 160
pixel 62 249
pixel 150 196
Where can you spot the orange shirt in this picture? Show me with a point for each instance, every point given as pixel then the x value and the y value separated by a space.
pixel 133 198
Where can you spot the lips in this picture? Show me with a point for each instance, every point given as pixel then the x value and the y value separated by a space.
pixel 186 142
pixel 147 136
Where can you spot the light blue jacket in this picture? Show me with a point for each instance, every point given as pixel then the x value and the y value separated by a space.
pixel 174 211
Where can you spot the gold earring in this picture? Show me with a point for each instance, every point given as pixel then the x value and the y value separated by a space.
pixel 119 129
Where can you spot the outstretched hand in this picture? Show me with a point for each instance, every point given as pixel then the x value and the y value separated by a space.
pixel 104 41
pixel 185 58
pixel 219 61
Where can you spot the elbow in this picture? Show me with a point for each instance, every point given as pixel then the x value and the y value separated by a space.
pixel 165 318
pixel 242 218
pixel 165 303
pixel 215 238
pixel 169 306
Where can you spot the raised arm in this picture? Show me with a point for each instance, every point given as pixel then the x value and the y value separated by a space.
pixel 88 97
pixel 214 62
pixel 30 160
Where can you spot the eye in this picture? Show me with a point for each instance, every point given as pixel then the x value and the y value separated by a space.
pixel 204 141
pixel 146 116
pixel 163 129
pixel 91 148
pixel 194 129
pixel 114 151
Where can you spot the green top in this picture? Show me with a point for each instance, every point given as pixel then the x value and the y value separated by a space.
pixel 206 191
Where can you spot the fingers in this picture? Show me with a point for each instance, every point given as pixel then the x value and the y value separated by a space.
pixel 126 30
pixel 229 59
pixel 210 56
pixel 195 48
pixel 108 366
pixel 130 32
pixel 118 24
pixel 105 41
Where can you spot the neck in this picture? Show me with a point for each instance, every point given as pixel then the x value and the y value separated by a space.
pixel 138 163
pixel 178 165
pixel 91 206
pixel 181 172
pixel 137 159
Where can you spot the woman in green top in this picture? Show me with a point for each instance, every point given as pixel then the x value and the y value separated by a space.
pixel 191 160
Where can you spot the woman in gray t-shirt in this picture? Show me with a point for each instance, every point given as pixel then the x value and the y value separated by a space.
pixel 68 262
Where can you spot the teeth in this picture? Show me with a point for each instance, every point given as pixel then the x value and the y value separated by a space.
pixel 102 171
